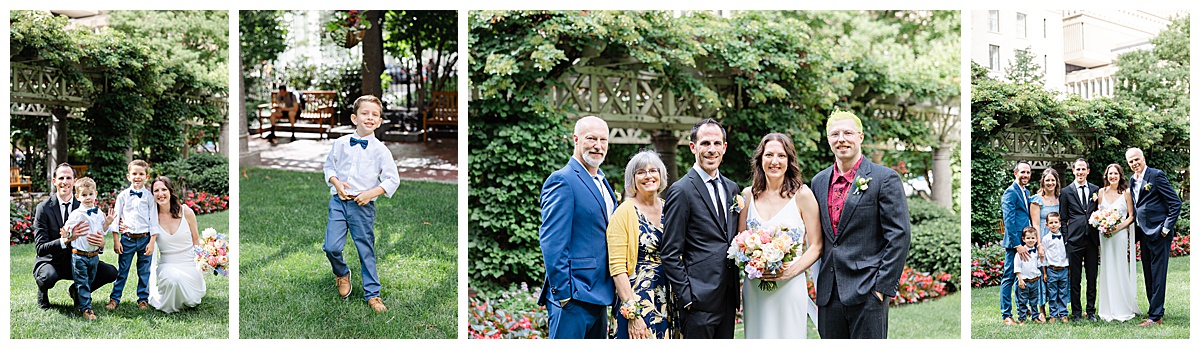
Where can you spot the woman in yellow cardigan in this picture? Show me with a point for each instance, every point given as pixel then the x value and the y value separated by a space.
pixel 634 233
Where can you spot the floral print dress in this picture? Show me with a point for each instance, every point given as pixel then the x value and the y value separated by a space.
pixel 649 285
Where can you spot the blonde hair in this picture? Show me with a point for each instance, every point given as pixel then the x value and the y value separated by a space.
pixel 842 115
pixel 85 183
pixel 367 98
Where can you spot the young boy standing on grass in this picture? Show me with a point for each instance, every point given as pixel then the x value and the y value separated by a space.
pixel 358 169
pixel 138 213
pixel 1029 278
pixel 84 256
pixel 1058 289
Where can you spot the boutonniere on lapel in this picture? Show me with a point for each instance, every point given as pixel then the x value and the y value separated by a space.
pixel 738 201
pixel 861 184
pixel 1148 187
pixel 1093 197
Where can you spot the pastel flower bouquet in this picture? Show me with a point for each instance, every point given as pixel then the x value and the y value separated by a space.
pixel 1104 220
pixel 762 251
pixel 212 254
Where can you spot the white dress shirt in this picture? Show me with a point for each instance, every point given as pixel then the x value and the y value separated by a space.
pixel 95 222
pixel 718 195
pixel 598 179
pixel 1056 250
pixel 140 214
pixel 1030 268
pixel 1141 182
pixel 363 169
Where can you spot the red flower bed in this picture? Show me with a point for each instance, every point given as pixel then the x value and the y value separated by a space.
pixel 21 219
pixel 202 202
pixel 1180 246
pixel 916 286
pixel 987 266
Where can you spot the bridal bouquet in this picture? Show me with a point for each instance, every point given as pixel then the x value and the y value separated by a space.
pixel 759 251
pixel 212 254
pixel 1104 220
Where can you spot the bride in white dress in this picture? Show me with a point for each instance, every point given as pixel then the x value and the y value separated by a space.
pixel 175 283
pixel 778 192
pixel 1116 286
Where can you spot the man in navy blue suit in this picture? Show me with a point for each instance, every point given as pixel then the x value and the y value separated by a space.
pixel 576 203
pixel 1157 209
pixel 1014 206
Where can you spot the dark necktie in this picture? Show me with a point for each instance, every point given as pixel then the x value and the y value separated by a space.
pixel 356 141
pixel 66 211
pixel 717 197
pixel 137 193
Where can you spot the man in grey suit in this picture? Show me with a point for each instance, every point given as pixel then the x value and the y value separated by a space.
pixel 864 220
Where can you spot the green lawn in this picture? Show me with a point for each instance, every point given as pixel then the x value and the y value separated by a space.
pixel 287 288
pixel 208 320
pixel 985 314
pixel 936 319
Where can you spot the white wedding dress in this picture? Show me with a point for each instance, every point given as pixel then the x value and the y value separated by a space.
pixel 780 313
pixel 175 283
pixel 1116 286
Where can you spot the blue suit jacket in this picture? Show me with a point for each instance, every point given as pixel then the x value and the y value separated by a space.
pixel 1015 209
pixel 572 236
pixel 1157 206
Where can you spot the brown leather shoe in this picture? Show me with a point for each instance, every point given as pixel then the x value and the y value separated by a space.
pixel 89 314
pixel 377 304
pixel 111 304
pixel 1052 320
pixel 343 285
pixel 1009 321
pixel 1148 323
pixel 142 305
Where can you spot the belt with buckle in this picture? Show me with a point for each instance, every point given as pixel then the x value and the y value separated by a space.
pixel 1055 268
pixel 1033 279
pixel 86 253
pixel 136 236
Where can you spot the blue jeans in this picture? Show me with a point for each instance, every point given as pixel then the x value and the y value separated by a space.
pixel 1027 299
pixel 347 216
pixel 133 247
pixel 83 271
pixel 1007 281
pixel 1058 292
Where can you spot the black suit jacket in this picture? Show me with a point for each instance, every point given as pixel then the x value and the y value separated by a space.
pixel 695 243
pixel 47 221
pixel 1079 233
pixel 871 246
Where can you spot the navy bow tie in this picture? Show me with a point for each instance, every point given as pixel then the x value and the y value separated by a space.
pixel 1056 236
pixel 356 141
pixel 93 210
pixel 135 192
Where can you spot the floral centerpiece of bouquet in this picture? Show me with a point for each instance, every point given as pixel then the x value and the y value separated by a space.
pixel 212 253
pixel 760 251
pixel 1104 220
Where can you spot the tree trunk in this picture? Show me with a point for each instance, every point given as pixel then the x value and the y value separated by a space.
pixel 56 140
pixel 666 144
pixel 941 187
pixel 373 56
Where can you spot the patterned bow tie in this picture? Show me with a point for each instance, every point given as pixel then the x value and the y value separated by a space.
pixel 356 141
pixel 135 192
pixel 93 210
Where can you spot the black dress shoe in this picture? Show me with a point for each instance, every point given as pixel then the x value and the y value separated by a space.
pixel 1092 318
pixel 43 299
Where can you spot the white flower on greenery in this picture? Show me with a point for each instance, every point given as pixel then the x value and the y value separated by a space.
pixel 861 183
pixel 771 254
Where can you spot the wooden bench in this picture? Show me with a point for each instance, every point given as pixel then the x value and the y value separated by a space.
pixel 443 111
pixel 80 170
pixel 319 110
pixel 17 181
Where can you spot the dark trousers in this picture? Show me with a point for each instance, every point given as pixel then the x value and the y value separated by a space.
pixel 1027 299
pixel 699 324
pixel 46 275
pixel 866 320
pixel 134 249
pixel 1084 260
pixel 1154 268
pixel 577 320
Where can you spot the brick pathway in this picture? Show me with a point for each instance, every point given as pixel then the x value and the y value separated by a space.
pixel 436 160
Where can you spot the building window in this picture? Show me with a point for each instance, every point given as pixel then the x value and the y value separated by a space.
pixel 1020 25
pixel 994 21
pixel 994 57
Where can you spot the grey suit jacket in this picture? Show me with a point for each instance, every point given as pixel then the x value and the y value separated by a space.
pixel 871 246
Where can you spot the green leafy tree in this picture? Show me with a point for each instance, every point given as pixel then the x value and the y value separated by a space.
pixel 1023 69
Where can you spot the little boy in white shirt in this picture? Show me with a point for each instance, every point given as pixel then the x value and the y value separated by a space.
pixel 84 256
pixel 137 211
pixel 1029 278
pixel 1058 287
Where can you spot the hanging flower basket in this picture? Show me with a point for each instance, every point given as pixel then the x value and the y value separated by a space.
pixel 347 28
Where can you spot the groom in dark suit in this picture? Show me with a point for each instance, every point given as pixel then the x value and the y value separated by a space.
pixel 1157 209
pixel 1083 240
pixel 576 203
pixel 864 220
pixel 698 225
pixel 53 260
